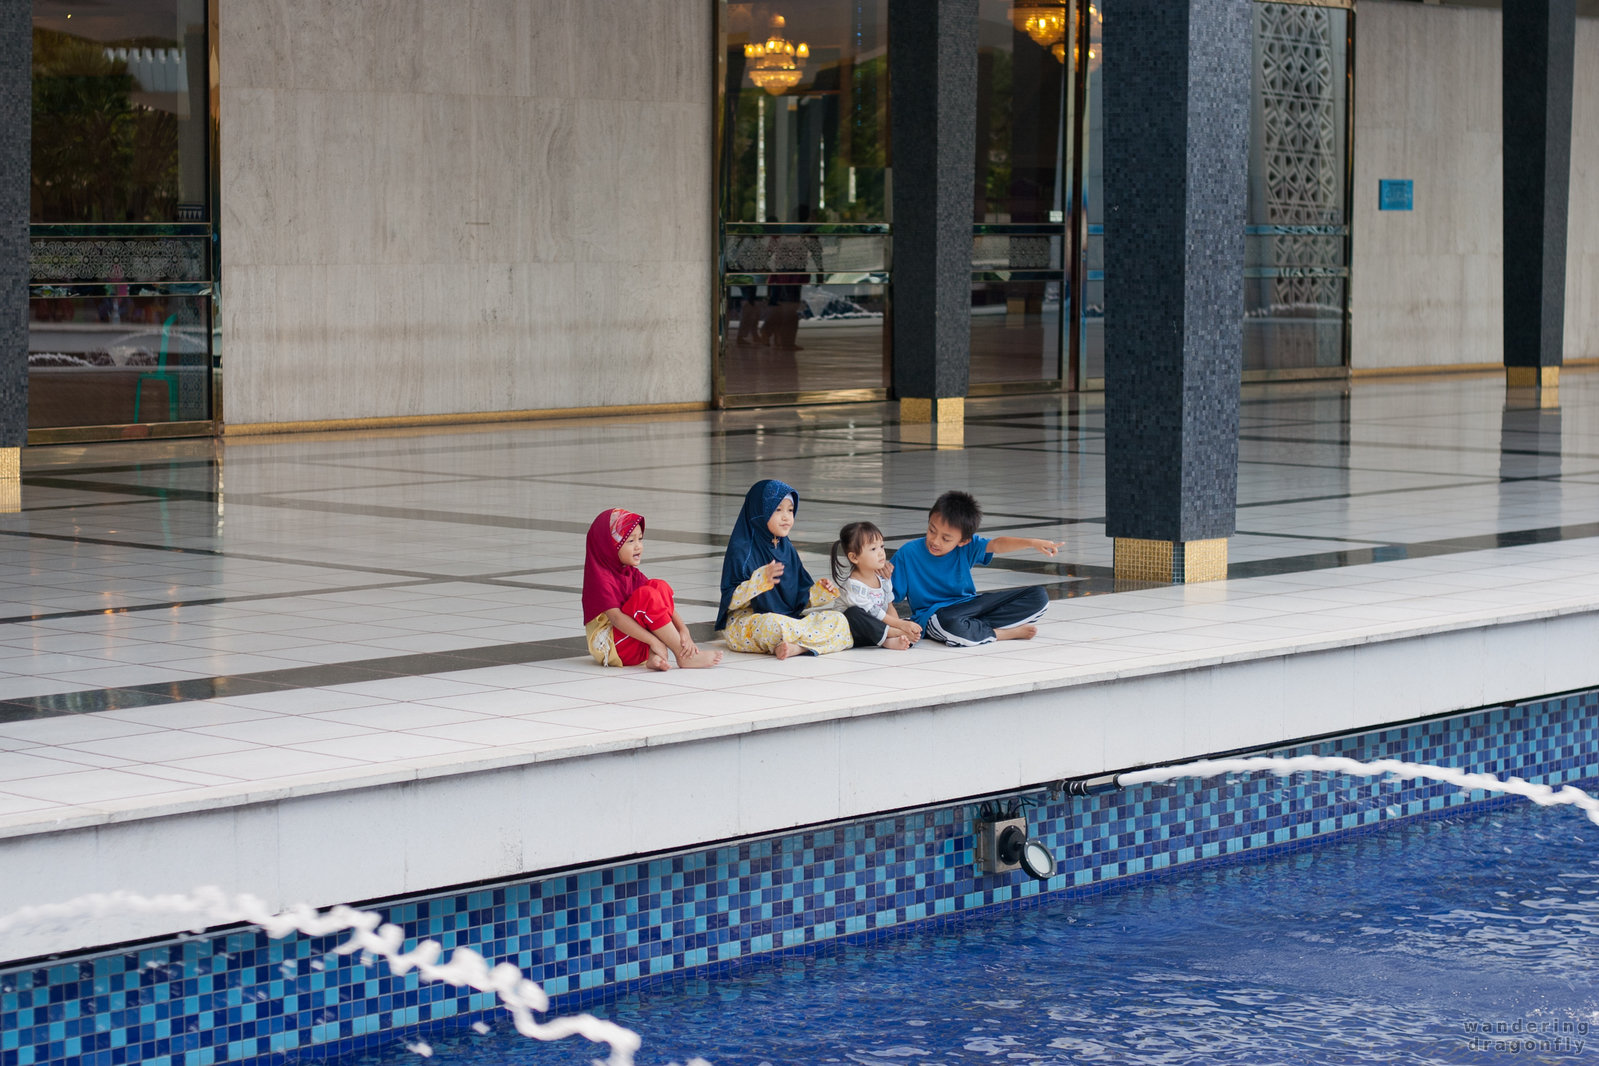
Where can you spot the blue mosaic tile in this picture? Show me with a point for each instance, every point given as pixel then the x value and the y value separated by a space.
pixel 240 997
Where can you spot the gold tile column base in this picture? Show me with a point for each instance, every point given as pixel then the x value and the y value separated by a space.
pixel 943 410
pixel 1532 377
pixel 1170 562
pixel 1545 379
pixel 10 480
pixel 938 421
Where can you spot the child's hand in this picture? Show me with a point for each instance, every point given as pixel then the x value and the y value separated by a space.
pixel 774 570
pixel 687 644
pixel 828 587
pixel 911 629
pixel 1049 547
pixel 886 572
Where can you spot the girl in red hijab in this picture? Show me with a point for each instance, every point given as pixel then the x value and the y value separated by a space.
pixel 628 618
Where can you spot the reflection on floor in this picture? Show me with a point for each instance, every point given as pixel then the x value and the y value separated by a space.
pixel 844 355
pixel 186 619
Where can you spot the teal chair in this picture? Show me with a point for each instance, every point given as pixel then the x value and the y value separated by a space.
pixel 161 374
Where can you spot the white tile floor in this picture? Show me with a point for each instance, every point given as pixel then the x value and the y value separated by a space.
pixel 323 610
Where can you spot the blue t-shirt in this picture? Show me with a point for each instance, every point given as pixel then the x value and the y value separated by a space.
pixel 928 582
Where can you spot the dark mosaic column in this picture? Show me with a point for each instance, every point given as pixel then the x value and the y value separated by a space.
pixel 1536 57
pixel 932 62
pixel 1176 101
pixel 16 137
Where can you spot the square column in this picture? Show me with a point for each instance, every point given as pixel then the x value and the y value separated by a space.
pixel 1536 57
pixel 932 62
pixel 16 139
pixel 1176 79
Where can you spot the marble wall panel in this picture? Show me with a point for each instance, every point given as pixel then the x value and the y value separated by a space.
pixel 525 181
pixel 424 177
pixel 504 36
pixel 618 217
pixel 1427 110
pixel 1582 224
pixel 332 44
pixel 508 301
pixel 418 46
pixel 626 50
pixel 541 305
pixel 255 49
pixel 257 198
pixel 640 334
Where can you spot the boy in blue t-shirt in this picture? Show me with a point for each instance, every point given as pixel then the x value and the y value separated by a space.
pixel 934 575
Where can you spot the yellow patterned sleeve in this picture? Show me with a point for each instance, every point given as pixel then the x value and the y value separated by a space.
pixel 757 584
pixel 820 597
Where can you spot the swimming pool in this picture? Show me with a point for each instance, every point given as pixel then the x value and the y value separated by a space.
pixel 235 994
pixel 1473 938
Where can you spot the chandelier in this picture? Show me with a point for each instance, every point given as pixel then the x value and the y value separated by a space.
pixel 1045 21
pixel 778 62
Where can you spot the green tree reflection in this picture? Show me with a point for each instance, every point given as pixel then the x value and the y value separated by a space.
pixel 97 155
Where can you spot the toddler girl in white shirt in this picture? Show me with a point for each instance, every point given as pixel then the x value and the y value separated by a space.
pixel 862 576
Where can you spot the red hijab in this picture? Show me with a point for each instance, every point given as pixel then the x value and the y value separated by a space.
pixel 606 582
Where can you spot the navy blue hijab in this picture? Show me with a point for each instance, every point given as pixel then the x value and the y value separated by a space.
pixel 750 548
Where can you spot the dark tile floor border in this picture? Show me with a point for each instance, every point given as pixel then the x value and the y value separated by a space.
pixel 1069 582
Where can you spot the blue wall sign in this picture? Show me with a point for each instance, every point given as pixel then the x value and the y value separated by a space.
pixel 1395 194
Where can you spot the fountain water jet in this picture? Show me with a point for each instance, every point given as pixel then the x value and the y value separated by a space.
pixel 368 934
pixel 1543 795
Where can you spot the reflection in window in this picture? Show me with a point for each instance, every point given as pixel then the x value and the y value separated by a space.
pixel 111 355
pixel 1296 266
pixel 800 341
pixel 805 193
pixel 120 248
pixel 1296 260
pixel 119 111
pixel 804 200
pixel 1016 331
pixel 1021 146
pixel 1022 174
pixel 819 145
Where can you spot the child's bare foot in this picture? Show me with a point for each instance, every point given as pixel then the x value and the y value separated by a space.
pixel 787 648
pixel 1017 633
pixel 897 642
pixel 657 661
pixel 699 660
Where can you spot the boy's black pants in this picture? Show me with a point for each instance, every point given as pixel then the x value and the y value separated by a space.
pixel 971 622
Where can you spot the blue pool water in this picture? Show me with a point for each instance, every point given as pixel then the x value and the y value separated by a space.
pixel 1468 940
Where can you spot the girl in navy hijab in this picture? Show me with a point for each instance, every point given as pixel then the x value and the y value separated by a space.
pixel 765 588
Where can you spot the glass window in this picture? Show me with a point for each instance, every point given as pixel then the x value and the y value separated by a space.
pixel 120 99
pixel 1091 320
pixel 1296 237
pixel 804 200
pixel 1296 265
pixel 1022 173
pixel 121 267
pixel 806 136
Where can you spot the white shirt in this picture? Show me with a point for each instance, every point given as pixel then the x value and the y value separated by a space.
pixel 873 601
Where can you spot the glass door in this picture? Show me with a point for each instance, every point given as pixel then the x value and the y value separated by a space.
pixel 803 285
pixel 1296 270
pixel 1020 251
pixel 1296 273
pixel 802 201
pixel 121 248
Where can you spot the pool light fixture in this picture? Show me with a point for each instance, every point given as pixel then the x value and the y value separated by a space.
pixel 1003 845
